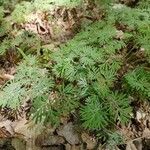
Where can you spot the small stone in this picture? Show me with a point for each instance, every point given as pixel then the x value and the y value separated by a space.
pixel 68 132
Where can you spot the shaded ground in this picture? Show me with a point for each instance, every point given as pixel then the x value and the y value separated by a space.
pixel 67 136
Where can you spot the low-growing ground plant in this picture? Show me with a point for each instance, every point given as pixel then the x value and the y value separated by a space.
pixel 95 76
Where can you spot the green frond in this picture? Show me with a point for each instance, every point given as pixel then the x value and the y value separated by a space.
pixel 114 138
pixel 67 99
pixel 4 46
pixel 48 4
pixel 12 95
pixel 88 75
pixel 21 11
pixel 93 114
pixel 139 80
pixel 43 112
pixel 121 109
pixel 1 13
pixel 30 81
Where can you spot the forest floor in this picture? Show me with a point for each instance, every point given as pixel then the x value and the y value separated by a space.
pixel 19 134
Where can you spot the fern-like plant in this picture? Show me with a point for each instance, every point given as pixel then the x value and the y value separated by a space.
pixel 30 82
pixel 97 74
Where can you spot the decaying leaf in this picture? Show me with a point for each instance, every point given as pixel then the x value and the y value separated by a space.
pixel 131 146
pixel 90 141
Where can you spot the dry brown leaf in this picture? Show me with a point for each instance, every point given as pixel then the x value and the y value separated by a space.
pixel 6 77
pixel 146 133
pixel 90 141
pixel 4 133
pixel 131 146
pixel 75 147
pixel 28 131
pixel 140 115
pixel 69 133
pixel 138 143
pixel 8 125
pixel 120 34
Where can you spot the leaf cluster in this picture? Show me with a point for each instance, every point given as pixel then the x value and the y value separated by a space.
pixel 30 82
pixel 84 75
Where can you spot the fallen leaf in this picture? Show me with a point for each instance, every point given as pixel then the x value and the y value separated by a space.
pixel 7 77
pixel 131 146
pixel 91 142
pixel 146 133
pixel 8 125
pixel 140 115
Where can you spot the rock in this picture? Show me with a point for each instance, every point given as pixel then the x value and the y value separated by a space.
pixel 68 132
pixel 90 141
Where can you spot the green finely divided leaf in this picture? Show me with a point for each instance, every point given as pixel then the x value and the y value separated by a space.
pixel 93 114
pixel 23 9
pixel 1 13
pixel 98 113
pixel 93 66
pixel 43 112
pixel 139 80
pixel 86 53
pixel 84 71
pixel 30 82
pixel 26 41
pixel 47 4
